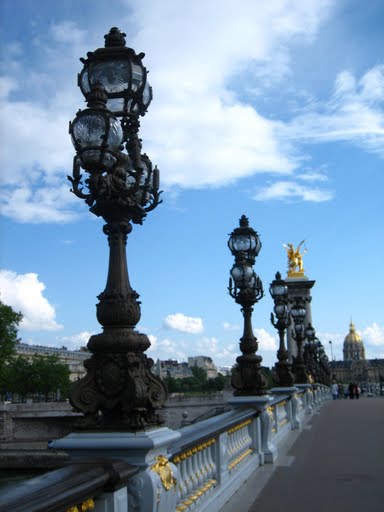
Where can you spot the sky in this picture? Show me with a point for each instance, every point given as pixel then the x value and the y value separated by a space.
pixel 269 109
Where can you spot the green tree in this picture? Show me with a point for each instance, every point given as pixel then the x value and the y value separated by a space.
pixel 49 375
pixel 44 374
pixel 9 322
pixel 17 377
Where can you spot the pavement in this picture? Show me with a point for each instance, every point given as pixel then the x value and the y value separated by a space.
pixel 335 464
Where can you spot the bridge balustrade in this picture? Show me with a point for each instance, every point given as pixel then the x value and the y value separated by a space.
pixel 206 465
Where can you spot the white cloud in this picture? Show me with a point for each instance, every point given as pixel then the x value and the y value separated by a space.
pixel 199 129
pixel 266 341
pixel 311 175
pixel 231 327
pixel 183 323
pixel 217 350
pixel 373 338
pixel 44 205
pixel 24 292
pixel 354 113
pixel 166 349
pixel 290 190
pixel 75 341
pixel 374 335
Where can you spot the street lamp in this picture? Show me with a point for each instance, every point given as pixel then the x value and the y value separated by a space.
pixel 331 344
pixel 298 313
pixel 279 292
pixel 246 288
pixel 309 352
pixel 119 389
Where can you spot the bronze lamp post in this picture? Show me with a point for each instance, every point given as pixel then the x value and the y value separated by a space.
pixel 119 391
pixel 246 288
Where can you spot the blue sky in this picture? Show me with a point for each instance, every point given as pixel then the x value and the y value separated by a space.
pixel 273 110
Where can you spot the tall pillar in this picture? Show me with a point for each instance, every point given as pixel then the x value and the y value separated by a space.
pixel 298 287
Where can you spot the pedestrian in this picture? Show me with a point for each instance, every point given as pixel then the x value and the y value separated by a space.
pixel 351 391
pixel 334 390
pixel 357 392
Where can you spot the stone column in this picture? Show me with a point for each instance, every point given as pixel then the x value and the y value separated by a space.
pixel 298 287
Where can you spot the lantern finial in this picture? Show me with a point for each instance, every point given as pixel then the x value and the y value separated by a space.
pixel 244 222
pixel 114 38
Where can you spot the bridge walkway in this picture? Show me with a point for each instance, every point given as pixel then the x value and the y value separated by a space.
pixel 335 464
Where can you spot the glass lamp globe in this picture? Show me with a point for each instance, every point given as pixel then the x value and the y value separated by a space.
pixel 310 332
pixel 244 242
pixel 281 311
pixel 121 72
pixel 298 313
pixel 243 276
pixel 278 289
pixel 96 134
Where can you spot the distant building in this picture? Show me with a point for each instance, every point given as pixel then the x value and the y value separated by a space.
pixel 225 370
pixel 205 363
pixel 73 358
pixel 355 367
pixel 172 368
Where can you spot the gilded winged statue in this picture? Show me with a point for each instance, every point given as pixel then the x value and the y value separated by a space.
pixel 295 258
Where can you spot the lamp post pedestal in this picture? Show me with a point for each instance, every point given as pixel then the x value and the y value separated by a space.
pixel 248 378
pixel 119 381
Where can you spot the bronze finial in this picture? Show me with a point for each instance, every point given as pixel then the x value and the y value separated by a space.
pixel 244 222
pixel 114 38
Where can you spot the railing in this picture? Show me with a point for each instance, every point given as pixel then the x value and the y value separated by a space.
pixel 217 455
pixel 86 485
pixel 198 470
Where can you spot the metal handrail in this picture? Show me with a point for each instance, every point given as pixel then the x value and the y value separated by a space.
pixel 64 488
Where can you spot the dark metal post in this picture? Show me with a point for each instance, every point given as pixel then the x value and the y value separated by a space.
pixel 246 288
pixel 119 391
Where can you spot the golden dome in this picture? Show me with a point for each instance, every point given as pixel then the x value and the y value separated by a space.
pixel 352 336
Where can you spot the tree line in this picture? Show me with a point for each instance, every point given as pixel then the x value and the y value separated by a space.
pixel 198 383
pixel 39 375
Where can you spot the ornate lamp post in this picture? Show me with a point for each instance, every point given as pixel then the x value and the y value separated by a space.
pixel 246 288
pixel 309 352
pixel 119 391
pixel 279 292
pixel 298 313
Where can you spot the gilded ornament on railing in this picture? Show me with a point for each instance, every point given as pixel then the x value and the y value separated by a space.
pixel 295 260
pixel 83 507
pixel 164 470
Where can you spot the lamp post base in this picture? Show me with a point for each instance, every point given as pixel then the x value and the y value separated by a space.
pixel 120 392
pixel 248 378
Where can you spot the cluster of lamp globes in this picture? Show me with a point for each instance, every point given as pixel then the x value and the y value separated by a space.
pixel 246 286
pixel 114 83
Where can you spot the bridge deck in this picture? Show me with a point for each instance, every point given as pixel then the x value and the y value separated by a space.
pixel 336 463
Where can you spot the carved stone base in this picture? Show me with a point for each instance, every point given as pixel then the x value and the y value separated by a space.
pixel 284 374
pixel 248 378
pixel 119 392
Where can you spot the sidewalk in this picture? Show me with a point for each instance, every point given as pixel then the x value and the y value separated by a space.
pixel 336 464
